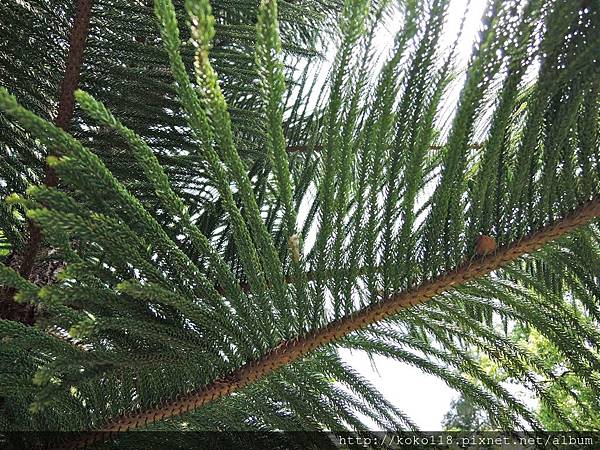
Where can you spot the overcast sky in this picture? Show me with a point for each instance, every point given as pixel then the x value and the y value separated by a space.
pixel 424 398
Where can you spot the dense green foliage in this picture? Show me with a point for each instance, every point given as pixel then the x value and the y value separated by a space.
pixel 464 415
pixel 189 240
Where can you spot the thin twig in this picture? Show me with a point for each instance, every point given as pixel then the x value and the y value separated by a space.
pixel 318 148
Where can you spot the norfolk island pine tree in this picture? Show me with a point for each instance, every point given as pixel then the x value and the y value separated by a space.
pixel 158 273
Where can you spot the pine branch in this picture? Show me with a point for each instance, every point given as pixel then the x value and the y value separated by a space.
pixel 66 105
pixel 291 350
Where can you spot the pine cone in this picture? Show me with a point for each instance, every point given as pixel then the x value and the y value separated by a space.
pixel 485 245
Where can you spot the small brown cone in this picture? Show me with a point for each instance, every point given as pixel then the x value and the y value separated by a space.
pixel 294 245
pixel 485 245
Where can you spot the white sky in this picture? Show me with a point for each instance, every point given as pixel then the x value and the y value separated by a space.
pixel 424 398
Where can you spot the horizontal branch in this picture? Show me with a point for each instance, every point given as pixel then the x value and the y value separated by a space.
pixel 292 350
pixel 318 148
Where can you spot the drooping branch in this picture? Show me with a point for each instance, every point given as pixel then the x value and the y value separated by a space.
pixel 292 350
pixel 66 103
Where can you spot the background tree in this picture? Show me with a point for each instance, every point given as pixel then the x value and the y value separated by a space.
pixel 193 252
pixel 463 415
pixel 581 405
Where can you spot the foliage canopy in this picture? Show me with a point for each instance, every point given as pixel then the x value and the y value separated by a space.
pixel 221 224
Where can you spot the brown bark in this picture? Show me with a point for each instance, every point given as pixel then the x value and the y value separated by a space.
pixel 318 148
pixel 25 313
pixel 292 350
